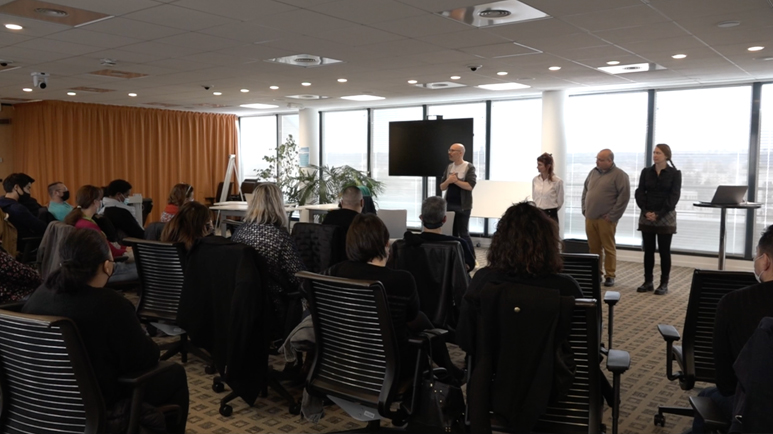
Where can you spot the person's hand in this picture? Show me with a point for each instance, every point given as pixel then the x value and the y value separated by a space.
pixel 651 216
pixel 606 217
pixel 453 177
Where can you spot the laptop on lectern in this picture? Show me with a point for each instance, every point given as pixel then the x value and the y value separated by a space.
pixel 729 195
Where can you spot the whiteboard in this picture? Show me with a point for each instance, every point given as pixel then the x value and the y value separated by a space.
pixel 492 198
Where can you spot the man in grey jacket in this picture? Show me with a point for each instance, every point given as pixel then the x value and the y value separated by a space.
pixel 604 199
pixel 458 181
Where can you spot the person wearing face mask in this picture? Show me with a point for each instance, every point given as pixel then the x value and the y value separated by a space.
pixel 58 196
pixel 112 335
pixel 88 198
pixel 119 213
pixel 18 186
pixel 738 315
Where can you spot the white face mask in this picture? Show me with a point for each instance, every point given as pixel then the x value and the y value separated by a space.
pixel 754 269
pixel 757 276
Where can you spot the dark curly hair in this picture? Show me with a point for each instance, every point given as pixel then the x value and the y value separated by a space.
pixel 526 242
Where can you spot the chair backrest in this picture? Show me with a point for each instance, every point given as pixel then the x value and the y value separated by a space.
pixel 396 221
pixel 320 246
pixel 47 381
pixel 584 267
pixel 581 410
pixel 440 274
pixel 708 287
pixel 153 231
pixel 357 355
pixel 448 226
pixel 160 266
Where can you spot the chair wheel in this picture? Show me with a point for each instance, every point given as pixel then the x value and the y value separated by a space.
pixel 209 369
pixel 660 420
pixel 226 410
pixel 295 409
pixel 218 387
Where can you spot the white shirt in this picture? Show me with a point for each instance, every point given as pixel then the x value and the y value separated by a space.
pixel 108 202
pixel 547 194
pixel 460 170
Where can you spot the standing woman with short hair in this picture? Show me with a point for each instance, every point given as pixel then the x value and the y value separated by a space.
pixel 547 189
pixel 660 186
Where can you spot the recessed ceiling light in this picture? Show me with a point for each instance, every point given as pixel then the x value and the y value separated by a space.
pixel 455 77
pixel 679 56
pixel 259 106
pixel 554 68
pixel 273 87
pixel 412 81
pixel 613 62
pixel 27 89
pixel 71 93
pixel 729 23
pixel 132 95
pixel 217 93
pixel 764 58
pixel 13 27
pixel 245 90
pixel 363 97
pixel 305 83
pixel 342 80
pixel 756 48
pixel 503 86
pixel 633 67
pixel 502 73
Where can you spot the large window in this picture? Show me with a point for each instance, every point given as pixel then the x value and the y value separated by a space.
pixel 289 126
pixel 476 111
pixel 257 139
pixel 400 192
pixel 765 173
pixel 516 139
pixel 708 132
pixel 345 139
pixel 595 122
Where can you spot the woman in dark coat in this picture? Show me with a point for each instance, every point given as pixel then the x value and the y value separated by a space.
pixel 660 186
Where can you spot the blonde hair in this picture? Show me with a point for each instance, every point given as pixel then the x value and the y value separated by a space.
pixel 267 206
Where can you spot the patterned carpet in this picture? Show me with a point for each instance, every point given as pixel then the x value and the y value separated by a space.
pixel 644 386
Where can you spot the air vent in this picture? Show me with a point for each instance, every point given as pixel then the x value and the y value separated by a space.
pixel 304 60
pixel 49 12
pixel 633 67
pixel 494 13
pixel 440 85
pixel 306 96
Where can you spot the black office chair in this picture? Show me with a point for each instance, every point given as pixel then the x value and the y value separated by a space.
pixel 153 231
pixel 320 246
pixel 695 356
pixel 28 249
pixel 441 278
pixel 48 382
pixel 584 268
pixel 161 266
pixel 357 361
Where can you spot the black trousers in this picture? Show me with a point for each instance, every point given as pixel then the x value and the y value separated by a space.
pixel 664 248
pixel 170 388
pixel 462 224
pixel 552 213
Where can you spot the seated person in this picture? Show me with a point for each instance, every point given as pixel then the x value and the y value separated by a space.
pixel 58 196
pixel 367 246
pixel 119 213
pixel 112 335
pixel 265 230
pixel 192 222
pixel 524 249
pixel 369 207
pixel 351 207
pixel 27 200
pixel 433 215
pixel 180 195
pixel 17 186
pixel 17 280
pixel 88 198
pixel 738 315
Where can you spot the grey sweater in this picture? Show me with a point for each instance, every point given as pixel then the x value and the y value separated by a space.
pixel 606 193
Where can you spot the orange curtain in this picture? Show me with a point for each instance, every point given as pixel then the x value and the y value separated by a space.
pixel 153 149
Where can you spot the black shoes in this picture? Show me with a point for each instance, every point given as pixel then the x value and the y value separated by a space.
pixel 662 289
pixel 646 287
pixel 610 281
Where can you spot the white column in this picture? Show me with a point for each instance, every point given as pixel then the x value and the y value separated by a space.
pixel 308 136
pixel 554 135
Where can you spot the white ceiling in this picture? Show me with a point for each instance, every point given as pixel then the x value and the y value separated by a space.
pixel 185 44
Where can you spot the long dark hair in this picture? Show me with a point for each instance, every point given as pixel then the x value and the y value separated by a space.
pixel 85 196
pixel 526 242
pixel 188 225
pixel 82 252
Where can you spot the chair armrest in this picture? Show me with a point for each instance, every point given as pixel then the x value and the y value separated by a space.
pixel 15 306
pixel 618 361
pixel 669 333
pixel 134 379
pixel 611 297
pixel 426 336
pixel 708 410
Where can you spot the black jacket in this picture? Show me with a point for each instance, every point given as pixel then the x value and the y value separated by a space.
pixel 124 221
pixel 754 395
pixel 223 308
pixel 659 194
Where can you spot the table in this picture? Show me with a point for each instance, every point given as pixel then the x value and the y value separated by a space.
pixel 239 209
pixel 723 213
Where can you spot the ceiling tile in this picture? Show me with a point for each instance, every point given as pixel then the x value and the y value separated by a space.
pixel 126 56
pixel 358 35
pixel 548 27
pixel 110 7
pixel 8 38
pixel 178 17
pixel 699 8
pixel 133 29
pixel 423 25
pixel 303 22
pixel 645 33
pixel 242 10
pixel 616 18
pixel 499 50
pixel 87 37
pixel 31 27
pixel 375 11
pixel 464 39
pixel 179 64
pixel 557 8
pixel 402 47
pixel 199 41
pixel 248 32
pixel 163 50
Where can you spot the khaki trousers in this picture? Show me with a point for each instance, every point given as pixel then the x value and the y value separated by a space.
pixel 601 241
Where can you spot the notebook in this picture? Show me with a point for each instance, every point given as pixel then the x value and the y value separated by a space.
pixel 729 195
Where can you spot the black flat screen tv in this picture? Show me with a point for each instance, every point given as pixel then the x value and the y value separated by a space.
pixel 420 148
